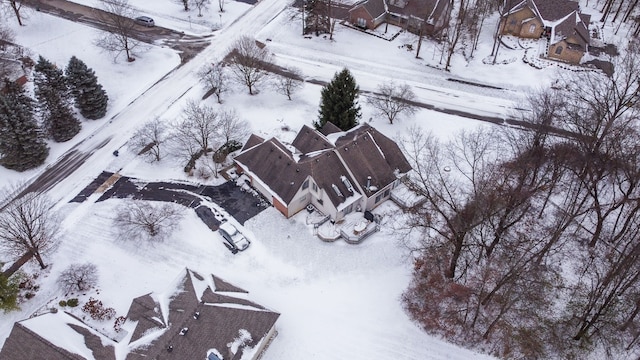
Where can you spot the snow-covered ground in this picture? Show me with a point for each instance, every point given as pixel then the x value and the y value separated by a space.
pixel 337 301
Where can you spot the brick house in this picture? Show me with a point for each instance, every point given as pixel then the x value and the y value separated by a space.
pixel 407 14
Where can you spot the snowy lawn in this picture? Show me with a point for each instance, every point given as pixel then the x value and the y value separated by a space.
pixel 337 301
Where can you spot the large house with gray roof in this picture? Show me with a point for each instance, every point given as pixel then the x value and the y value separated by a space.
pixel 430 15
pixel 198 317
pixel 559 21
pixel 337 172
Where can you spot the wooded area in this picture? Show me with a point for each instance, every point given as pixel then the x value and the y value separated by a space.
pixel 530 245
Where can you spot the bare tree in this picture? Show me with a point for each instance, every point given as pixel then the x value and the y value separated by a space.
pixel 29 225
pixel 80 277
pixel 15 7
pixel 146 221
pixel 232 128
pixel 200 124
pixel 7 37
pixel 249 62
pixel 184 3
pixel 117 15
pixel 455 31
pixel 196 133
pixel 507 5
pixel 289 83
pixel 149 139
pixel 392 100
pixel 201 5
pixel 221 5
pixel 215 78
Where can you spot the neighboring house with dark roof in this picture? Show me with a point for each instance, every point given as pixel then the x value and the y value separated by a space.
pixel 432 15
pixel 558 20
pixel 337 172
pixel 197 318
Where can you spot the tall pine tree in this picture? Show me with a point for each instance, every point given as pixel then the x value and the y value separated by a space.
pixel 339 102
pixel 54 100
pixel 88 95
pixel 22 144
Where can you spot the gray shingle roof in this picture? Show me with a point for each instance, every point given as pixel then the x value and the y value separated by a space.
pixel 219 322
pixel 144 310
pixel 418 8
pixel 552 10
pixel 308 140
pixel 575 30
pixel 217 325
pixel 223 286
pixel 23 343
pixel 367 152
pixel 363 149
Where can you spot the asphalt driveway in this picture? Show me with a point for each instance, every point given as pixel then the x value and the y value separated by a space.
pixel 239 204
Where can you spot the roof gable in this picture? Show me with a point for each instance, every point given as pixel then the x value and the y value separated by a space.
pixel 309 140
pixel 573 30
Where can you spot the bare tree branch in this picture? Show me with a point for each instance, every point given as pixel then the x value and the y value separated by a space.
pixel 145 221
pixel 78 277
pixel 29 225
pixel 249 62
pixel 393 100
pixel 118 16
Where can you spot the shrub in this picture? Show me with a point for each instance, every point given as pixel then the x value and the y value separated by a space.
pixel 97 311
pixel 62 303
pixel 72 302
pixel 117 325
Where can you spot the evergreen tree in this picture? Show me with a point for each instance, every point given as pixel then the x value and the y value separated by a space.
pixel 54 102
pixel 339 103
pixel 22 144
pixel 89 96
pixel 8 293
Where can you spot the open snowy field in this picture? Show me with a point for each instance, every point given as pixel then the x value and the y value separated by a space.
pixel 337 301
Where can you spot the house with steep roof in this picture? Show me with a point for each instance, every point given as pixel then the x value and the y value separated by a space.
pixel 198 317
pixel 337 172
pixel 430 15
pixel 559 21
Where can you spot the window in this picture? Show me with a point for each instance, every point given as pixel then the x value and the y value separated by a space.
pixel 532 28
pixel 348 209
pixel 314 187
pixel 303 199
pixel 558 50
pixel 378 198
pixel 362 22
pixel 386 193
pixel 305 184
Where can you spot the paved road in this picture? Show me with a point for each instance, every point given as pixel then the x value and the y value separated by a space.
pixel 187 45
pixel 79 162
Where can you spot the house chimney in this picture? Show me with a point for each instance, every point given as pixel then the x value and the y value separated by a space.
pixel 368 182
